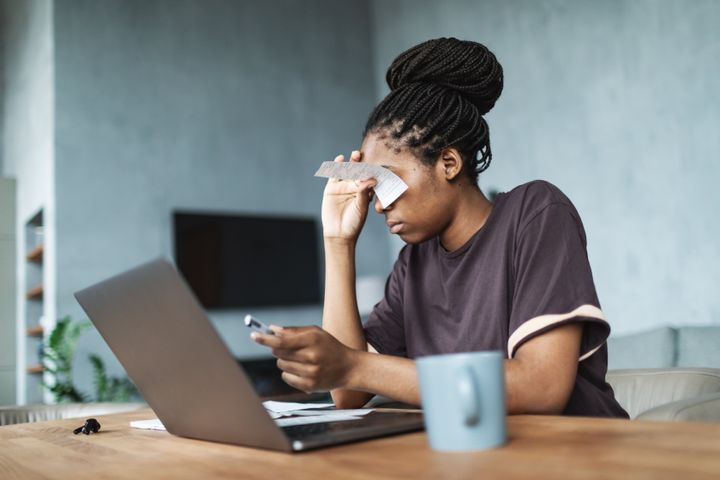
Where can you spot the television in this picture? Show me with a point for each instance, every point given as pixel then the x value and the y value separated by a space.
pixel 233 261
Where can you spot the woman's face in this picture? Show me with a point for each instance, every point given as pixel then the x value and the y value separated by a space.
pixel 425 209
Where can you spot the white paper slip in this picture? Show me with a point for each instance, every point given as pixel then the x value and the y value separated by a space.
pixel 283 407
pixel 154 424
pixel 389 186
pixel 359 412
pixel 288 422
pixel 306 417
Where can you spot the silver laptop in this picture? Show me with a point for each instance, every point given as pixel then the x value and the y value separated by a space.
pixel 169 348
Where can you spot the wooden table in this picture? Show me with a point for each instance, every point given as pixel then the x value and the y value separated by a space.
pixel 539 447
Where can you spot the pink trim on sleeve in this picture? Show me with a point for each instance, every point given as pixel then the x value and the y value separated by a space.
pixel 541 322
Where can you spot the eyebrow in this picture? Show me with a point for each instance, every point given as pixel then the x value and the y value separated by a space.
pixel 389 167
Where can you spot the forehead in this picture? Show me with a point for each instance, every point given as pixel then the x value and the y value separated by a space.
pixel 381 150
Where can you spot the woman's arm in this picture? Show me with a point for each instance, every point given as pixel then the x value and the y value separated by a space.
pixel 340 312
pixel 541 375
pixel 345 207
pixel 539 379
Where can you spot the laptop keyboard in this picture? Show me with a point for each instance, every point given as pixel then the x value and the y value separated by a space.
pixel 304 431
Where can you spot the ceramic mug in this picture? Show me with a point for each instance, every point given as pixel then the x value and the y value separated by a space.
pixel 463 399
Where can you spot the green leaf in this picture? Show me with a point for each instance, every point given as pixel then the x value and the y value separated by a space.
pixel 99 378
pixel 58 353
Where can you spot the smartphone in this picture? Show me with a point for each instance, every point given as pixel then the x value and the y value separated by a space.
pixel 257 325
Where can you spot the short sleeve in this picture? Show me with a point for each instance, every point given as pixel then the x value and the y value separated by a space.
pixel 553 281
pixel 384 329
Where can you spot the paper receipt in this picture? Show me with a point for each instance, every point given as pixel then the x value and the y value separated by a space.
pixel 389 186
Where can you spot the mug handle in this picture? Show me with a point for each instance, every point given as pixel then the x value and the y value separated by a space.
pixel 467 390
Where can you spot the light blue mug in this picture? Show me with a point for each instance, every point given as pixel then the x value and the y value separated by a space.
pixel 463 399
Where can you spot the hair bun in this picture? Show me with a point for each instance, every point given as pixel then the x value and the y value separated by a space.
pixel 461 65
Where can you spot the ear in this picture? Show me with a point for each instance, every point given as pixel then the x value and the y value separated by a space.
pixel 451 163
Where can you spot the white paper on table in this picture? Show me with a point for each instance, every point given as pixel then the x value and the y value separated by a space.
pixel 389 186
pixel 358 412
pixel 304 417
pixel 288 422
pixel 154 424
pixel 279 411
pixel 283 407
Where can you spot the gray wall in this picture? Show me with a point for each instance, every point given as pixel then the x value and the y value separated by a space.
pixel 219 105
pixel 228 105
pixel 2 86
pixel 616 102
pixel 8 360
pixel 26 47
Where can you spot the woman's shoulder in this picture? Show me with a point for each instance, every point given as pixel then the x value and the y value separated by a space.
pixel 527 201
pixel 537 193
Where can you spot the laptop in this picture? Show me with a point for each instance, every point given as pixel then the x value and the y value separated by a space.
pixel 170 349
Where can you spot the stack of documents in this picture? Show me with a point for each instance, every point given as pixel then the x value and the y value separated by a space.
pixel 286 414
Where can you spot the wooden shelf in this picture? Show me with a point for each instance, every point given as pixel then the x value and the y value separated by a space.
pixel 35 293
pixel 35 369
pixel 35 331
pixel 36 254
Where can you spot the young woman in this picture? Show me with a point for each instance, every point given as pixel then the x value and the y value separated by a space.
pixel 511 276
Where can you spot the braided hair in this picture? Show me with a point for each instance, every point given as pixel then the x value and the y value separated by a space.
pixel 439 92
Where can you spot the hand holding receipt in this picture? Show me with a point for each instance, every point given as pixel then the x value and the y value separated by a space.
pixel 348 193
pixel 389 186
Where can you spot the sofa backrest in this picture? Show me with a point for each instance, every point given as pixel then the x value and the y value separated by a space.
pixel 651 349
pixel 698 347
pixel 666 347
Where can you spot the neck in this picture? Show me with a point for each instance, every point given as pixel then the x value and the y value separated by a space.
pixel 471 213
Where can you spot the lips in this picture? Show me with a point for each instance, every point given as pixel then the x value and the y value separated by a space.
pixel 395 227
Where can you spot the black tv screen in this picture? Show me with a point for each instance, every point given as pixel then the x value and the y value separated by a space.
pixel 233 261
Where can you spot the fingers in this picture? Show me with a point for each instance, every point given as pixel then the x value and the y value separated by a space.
pixel 355 156
pixel 296 381
pixel 290 355
pixel 286 338
pixel 363 186
pixel 272 341
pixel 366 185
pixel 297 368
pixel 293 330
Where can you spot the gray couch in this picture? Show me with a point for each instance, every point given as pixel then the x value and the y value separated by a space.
pixel 666 347
pixel 667 373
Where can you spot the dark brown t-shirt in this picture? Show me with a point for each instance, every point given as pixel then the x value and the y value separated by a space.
pixel 525 272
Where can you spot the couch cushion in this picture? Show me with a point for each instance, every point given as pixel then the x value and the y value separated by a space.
pixel 651 349
pixel 639 390
pixel 699 347
pixel 705 408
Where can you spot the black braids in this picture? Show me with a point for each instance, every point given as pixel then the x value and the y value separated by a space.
pixel 440 90
pixel 443 109
pixel 417 106
pixel 433 100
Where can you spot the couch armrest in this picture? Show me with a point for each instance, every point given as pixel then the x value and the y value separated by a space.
pixel 704 408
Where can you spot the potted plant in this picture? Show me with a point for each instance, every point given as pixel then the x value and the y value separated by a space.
pixel 58 356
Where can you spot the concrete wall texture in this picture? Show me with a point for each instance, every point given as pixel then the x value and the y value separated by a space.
pixel 28 145
pixel 616 102
pixel 230 106
pixel 221 105
pixel 216 105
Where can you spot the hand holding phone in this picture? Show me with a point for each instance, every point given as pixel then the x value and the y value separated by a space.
pixel 257 325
